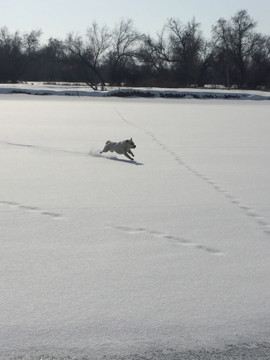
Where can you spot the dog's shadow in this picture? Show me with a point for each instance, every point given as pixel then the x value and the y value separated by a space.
pixel 132 162
pixel 114 158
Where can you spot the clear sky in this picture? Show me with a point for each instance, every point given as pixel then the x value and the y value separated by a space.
pixel 56 18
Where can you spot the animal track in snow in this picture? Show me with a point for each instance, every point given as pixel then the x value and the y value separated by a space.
pixel 261 222
pixel 264 225
pixel 164 236
pixel 30 209
pixel 44 148
pixel 248 211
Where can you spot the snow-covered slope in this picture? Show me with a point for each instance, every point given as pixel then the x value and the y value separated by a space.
pixel 104 256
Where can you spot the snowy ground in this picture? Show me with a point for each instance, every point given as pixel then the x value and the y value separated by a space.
pixel 166 255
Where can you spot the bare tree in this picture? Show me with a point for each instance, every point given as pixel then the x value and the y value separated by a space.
pixel 98 42
pixel 232 42
pixel 186 43
pixel 260 54
pixel 31 42
pixel 90 53
pixel 16 53
pixel 124 49
pixel 155 52
pixel 12 61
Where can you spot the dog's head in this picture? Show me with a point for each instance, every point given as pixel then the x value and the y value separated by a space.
pixel 130 144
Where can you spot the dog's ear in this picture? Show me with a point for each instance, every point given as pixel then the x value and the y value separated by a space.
pixel 131 139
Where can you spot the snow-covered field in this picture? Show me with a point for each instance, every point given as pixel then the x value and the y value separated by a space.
pixel 166 257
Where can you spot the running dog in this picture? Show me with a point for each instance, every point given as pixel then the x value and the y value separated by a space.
pixel 122 147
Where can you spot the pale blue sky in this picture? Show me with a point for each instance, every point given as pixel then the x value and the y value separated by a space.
pixel 56 18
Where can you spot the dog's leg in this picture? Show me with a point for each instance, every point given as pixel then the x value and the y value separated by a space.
pixel 126 154
pixel 104 150
pixel 130 152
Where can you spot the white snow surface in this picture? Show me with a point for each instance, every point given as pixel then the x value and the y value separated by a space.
pixel 102 256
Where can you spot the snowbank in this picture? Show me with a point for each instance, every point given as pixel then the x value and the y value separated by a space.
pixel 41 89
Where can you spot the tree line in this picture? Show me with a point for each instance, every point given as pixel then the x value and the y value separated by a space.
pixel 178 56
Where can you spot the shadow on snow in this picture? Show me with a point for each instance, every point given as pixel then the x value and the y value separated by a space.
pixel 114 158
